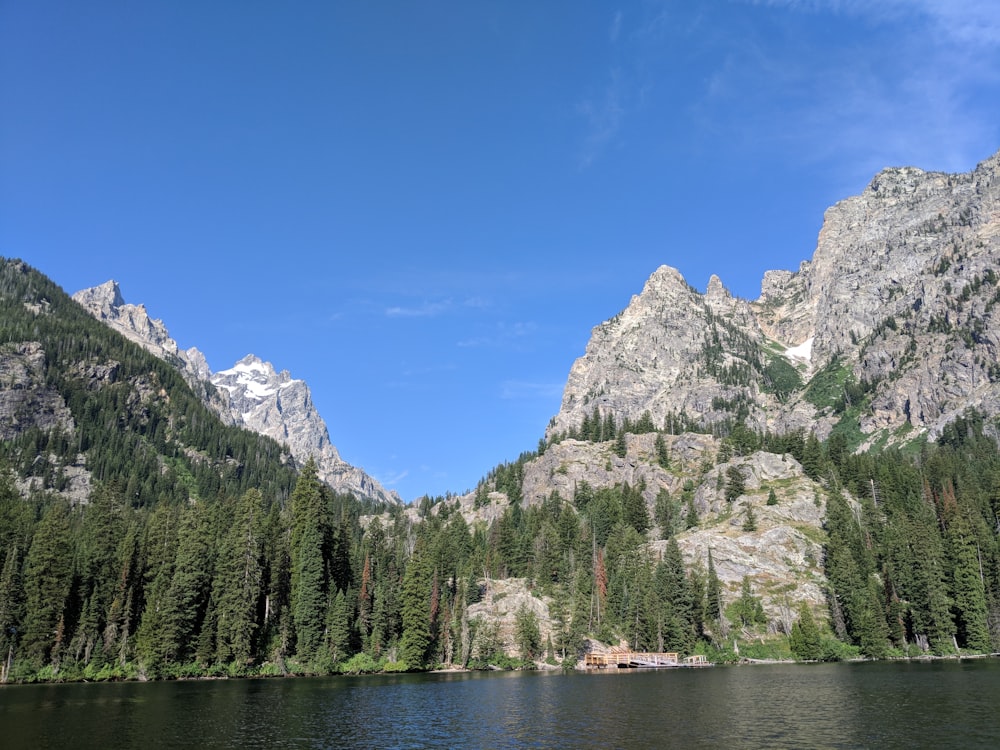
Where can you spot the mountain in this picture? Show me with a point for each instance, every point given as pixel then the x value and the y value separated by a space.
pixel 809 475
pixel 250 394
pixel 887 334
pixel 80 404
pixel 281 407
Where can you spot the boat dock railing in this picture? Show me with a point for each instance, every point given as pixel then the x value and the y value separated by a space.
pixel 623 658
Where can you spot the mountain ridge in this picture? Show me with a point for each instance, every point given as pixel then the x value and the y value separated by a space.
pixel 251 394
pixel 907 265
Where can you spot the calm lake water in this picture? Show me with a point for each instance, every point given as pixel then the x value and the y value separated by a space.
pixel 879 705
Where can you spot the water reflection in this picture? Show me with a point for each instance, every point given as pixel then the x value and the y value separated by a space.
pixel 940 705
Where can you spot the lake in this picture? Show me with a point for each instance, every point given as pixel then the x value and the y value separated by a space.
pixel 941 704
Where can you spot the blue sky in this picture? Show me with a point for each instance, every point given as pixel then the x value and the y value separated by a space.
pixel 422 209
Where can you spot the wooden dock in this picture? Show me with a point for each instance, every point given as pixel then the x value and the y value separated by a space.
pixel 619 658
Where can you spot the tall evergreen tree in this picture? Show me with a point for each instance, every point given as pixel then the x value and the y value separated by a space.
pixel 415 609
pixel 238 581
pixel 805 640
pixel 48 578
pixel 309 564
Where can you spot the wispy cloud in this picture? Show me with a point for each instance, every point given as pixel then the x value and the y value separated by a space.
pixel 433 309
pixel 423 310
pixel 603 114
pixel 918 90
pixel 503 335
pixel 517 390
pixel 394 478
pixel 616 27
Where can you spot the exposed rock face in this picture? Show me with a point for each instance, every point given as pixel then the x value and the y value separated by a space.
pixel 250 394
pixel 782 556
pixel 25 401
pixel 502 600
pixel 899 298
pixel 669 353
pixel 105 302
pixel 276 405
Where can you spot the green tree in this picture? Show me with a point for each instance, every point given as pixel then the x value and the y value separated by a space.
pixel 11 602
pixel 186 599
pixel 735 483
pixel 805 640
pixel 748 609
pixel 662 453
pixel 634 510
pixel 339 628
pixel 415 643
pixel 239 580
pixel 969 593
pixel 310 542
pixel 527 633
pixel 48 578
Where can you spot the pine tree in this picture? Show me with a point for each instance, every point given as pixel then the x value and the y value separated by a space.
pixel 713 592
pixel 416 609
pixel 805 640
pixel 48 578
pixel 310 541
pixel 968 588
pixel 662 454
pixel 159 551
pixel 185 602
pixel 527 634
pixel 238 581
pixel 339 628
pixel 748 608
pixel 634 510
pixel 11 602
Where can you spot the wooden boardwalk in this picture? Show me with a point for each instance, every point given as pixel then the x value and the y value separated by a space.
pixel 624 659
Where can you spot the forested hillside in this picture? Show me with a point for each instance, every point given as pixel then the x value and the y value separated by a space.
pixel 141 538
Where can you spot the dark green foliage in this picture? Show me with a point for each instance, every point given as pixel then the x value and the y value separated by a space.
pixel 527 634
pixel 238 581
pixel 805 639
pixel 48 578
pixel 416 594
pixel 217 565
pixel 735 483
pixel 713 592
pixel 748 611
pixel 781 377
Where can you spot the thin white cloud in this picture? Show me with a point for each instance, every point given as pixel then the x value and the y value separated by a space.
pixel 504 334
pixel 604 115
pixel 616 27
pixel 425 310
pixel 518 390
pixel 965 21
pixel 439 307
pixel 393 478
pixel 922 96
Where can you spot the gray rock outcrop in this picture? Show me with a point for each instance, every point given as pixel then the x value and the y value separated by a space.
pixel 250 394
pixel 900 299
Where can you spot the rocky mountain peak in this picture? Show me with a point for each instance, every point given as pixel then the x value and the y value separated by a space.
pixel 716 293
pixel 896 310
pixel 251 393
pixel 103 299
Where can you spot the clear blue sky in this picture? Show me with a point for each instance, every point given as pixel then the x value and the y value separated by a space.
pixel 422 208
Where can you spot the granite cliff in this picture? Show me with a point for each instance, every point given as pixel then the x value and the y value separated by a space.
pixel 886 334
pixel 251 394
